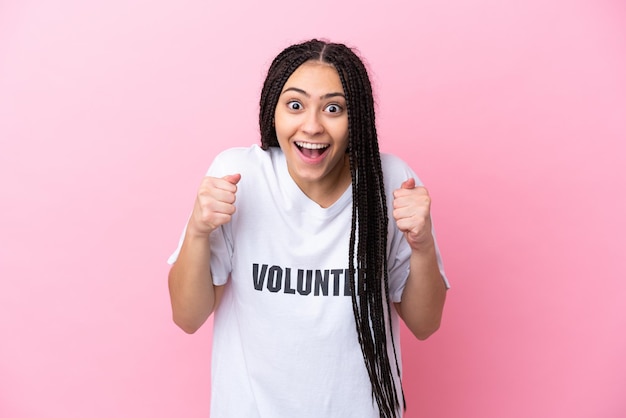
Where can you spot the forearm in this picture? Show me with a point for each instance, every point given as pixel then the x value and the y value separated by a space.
pixel 192 292
pixel 424 294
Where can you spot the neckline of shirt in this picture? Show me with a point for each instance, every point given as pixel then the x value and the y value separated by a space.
pixel 303 203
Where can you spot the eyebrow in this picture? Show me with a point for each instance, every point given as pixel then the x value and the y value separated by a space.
pixel 325 96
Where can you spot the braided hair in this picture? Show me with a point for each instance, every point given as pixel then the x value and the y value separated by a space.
pixel 368 236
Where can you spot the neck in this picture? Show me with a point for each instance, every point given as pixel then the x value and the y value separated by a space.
pixel 328 190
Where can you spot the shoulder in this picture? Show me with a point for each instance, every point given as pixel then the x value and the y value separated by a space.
pixel 238 159
pixel 391 162
pixel 253 152
pixel 396 171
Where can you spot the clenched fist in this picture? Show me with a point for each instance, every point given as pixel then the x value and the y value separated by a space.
pixel 215 204
pixel 411 210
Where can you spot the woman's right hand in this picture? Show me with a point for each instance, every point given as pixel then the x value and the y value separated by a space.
pixel 215 204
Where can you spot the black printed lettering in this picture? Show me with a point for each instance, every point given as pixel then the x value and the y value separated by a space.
pixel 318 282
pixel 336 278
pixel 288 289
pixel 321 282
pixel 274 279
pixel 256 278
pixel 304 287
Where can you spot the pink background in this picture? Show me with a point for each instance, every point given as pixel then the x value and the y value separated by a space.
pixel 513 113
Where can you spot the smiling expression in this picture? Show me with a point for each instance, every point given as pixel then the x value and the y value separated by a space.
pixel 311 121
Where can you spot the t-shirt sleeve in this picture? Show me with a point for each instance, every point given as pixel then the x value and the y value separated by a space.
pixel 399 253
pixel 399 269
pixel 221 238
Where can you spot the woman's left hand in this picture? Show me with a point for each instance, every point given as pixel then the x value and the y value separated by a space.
pixel 411 210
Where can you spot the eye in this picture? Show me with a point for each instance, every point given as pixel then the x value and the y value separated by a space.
pixel 333 108
pixel 294 105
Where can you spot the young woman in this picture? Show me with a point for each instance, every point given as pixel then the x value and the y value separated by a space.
pixel 307 250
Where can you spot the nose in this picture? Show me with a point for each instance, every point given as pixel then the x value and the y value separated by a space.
pixel 312 125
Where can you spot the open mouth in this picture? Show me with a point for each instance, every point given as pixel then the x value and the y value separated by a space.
pixel 311 150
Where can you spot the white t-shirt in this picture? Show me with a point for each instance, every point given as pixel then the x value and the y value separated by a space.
pixel 284 336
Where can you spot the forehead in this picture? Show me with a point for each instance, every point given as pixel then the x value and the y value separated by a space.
pixel 315 76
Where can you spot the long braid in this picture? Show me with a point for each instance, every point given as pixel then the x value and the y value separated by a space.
pixel 367 252
pixel 378 252
pixel 370 200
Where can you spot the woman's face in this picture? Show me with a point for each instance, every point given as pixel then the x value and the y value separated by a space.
pixel 311 121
